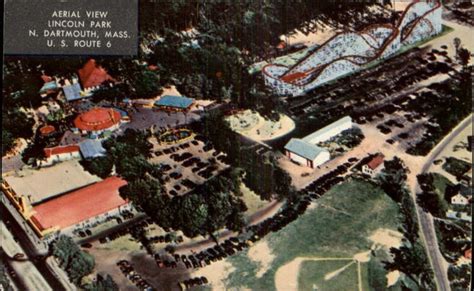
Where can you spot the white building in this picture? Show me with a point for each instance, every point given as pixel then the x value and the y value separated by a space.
pixel 305 153
pixel 329 131
pixel 348 52
pixel 459 199
pixel 60 154
pixel 373 166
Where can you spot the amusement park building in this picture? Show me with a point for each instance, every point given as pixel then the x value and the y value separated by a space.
pixel 98 120
pixel 351 51
pixel 305 151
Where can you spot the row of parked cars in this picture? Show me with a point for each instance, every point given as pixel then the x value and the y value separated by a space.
pixel 124 231
pixel 128 270
pixel 197 281
pixel 235 244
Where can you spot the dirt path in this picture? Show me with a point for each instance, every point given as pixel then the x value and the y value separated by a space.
pixel 268 211
pixel 286 277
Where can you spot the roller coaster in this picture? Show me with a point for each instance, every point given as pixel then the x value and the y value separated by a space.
pixel 350 51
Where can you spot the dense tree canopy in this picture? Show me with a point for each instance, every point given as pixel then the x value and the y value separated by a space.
pixel 262 173
pixel 102 284
pixel 208 208
pixel 76 262
pixel 393 177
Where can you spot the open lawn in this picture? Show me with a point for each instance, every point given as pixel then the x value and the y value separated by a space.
pixel 328 275
pixel 339 226
pixel 252 200
pixel 123 243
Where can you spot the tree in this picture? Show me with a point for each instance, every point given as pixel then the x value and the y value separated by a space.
pixel 102 284
pixel 4 281
pixel 76 262
pixel 392 178
pixel 412 261
pixel 146 84
pixel 7 141
pixel 457 44
pixel 431 202
pixel 464 57
pixel 409 222
pixel 112 94
pixel 82 265
pixel 65 249
pixel 100 166
pixel 429 199
pixel 56 116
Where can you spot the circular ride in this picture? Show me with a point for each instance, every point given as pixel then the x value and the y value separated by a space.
pixel 174 135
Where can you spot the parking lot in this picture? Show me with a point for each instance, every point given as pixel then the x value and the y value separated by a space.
pixel 187 163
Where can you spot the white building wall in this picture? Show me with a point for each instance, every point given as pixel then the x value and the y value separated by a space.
pixel 297 158
pixel 459 200
pixel 61 157
pixel 366 170
pixel 321 158
pixel 70 231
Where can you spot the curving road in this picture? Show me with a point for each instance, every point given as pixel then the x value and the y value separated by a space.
pixel 426 220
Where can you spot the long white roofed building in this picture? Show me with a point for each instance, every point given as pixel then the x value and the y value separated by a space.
pixel 304 150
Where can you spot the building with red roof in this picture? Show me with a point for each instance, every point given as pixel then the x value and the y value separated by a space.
pixel 47 130
pixel 468 253
pixel 61 153
pixel 98 120
pixel 92 75
pixel 80 208
pixel 372 166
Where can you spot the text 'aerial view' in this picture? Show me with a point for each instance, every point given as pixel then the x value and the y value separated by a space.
pixel 315 145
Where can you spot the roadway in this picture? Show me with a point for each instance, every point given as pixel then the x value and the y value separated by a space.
pixel 55 279
pixel 27 275
pixel 437 260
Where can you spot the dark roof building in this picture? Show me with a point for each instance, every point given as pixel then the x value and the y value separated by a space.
pixel 73 92
pixel 91 148
pixel 174 102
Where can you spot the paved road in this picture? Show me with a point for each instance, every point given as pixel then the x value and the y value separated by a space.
pixel 28 277
pixel 43 267
pixel 426 220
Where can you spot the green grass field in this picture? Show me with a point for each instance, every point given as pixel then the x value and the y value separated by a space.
pixel 252 200
pixel 337 227
pixel 313 273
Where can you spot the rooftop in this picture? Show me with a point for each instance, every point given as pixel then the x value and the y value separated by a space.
pixel 376 161
pixel 303 148
pixel 97 119
pixel 51 181
pixel 73 92
pixel 92 75
pixel 47 129
pixel 174 101
pixel 91 148
pixel 48 152
pixel 48 86
pixel 80 205
pixel 327 128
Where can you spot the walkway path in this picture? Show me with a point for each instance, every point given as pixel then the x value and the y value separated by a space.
pixel 268 211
